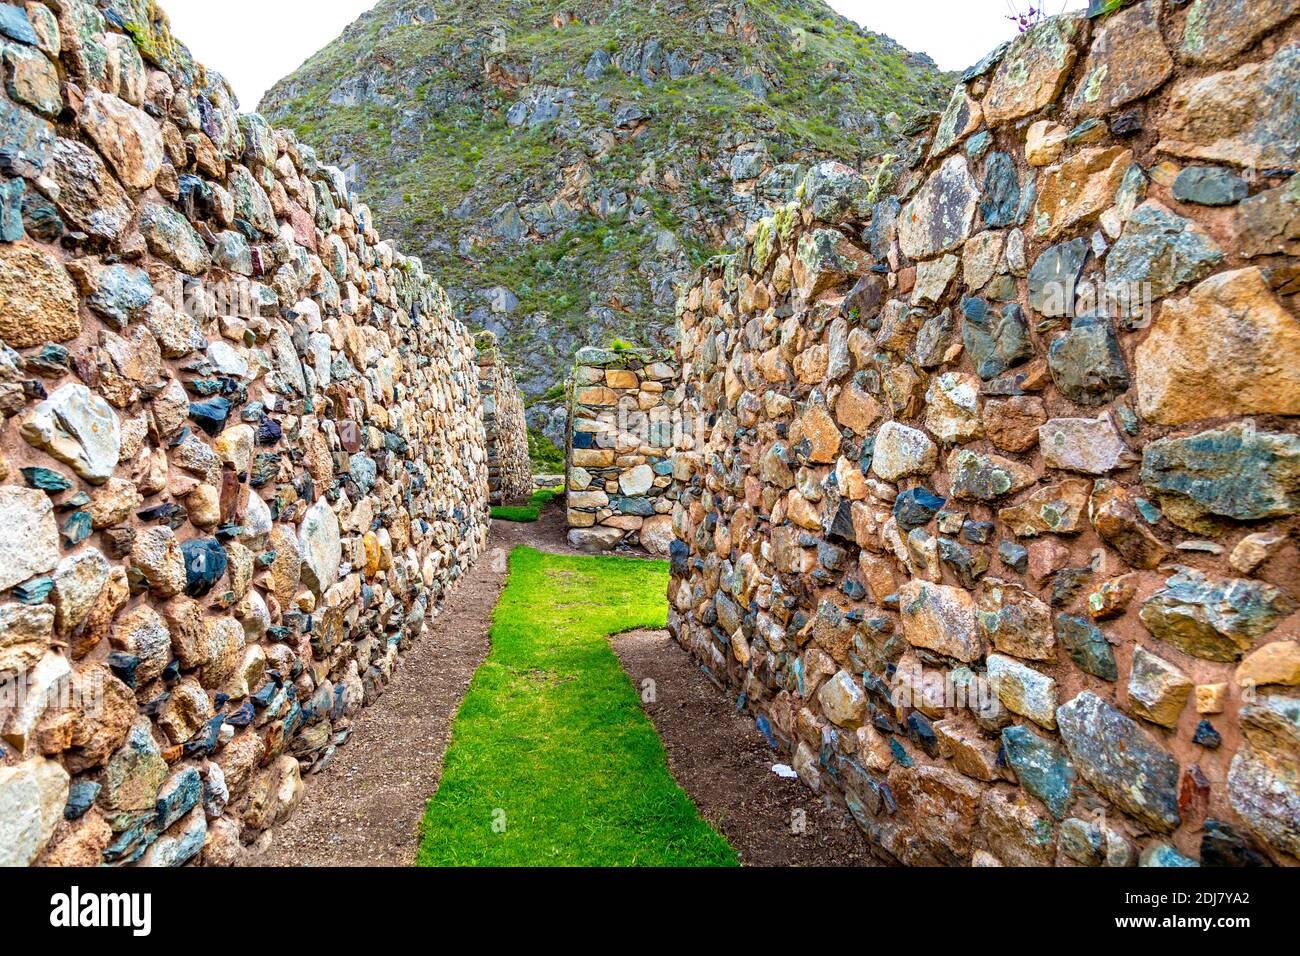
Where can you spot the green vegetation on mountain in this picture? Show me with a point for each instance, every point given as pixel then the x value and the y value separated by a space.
pixel 562 167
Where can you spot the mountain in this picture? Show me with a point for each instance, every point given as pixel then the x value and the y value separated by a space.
pixel 561 168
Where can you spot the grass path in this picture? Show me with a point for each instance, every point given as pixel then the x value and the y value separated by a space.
pixel 526 513
pixel 552 760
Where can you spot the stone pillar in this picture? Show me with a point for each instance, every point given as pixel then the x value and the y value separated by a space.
pixel 510 473
pixel 623 423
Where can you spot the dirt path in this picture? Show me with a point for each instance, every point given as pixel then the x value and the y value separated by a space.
pixel 364 809
pixel 723 762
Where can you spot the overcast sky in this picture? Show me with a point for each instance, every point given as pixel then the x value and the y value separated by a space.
pixel 955 33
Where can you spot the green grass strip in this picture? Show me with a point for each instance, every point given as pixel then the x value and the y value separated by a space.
pixel 528 513
pixel 553 761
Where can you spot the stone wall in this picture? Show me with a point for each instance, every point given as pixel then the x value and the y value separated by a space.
pixel 623 425
pixel 1009 566
pixel 510 470
pixel 243 459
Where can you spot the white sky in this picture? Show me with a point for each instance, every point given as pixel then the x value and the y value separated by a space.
pixel 254 43
pixel 222 35
pixel 956 33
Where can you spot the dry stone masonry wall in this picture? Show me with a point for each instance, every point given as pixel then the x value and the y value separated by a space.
pixel 243 459
pixel 993 527
pixel 510 471
pixel 623 428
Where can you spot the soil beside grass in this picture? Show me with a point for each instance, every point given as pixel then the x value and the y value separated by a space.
pixel 364 809
pixel 553 761
pixel 725 764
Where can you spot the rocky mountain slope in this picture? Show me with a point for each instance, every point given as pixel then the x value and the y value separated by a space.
pixel 562 167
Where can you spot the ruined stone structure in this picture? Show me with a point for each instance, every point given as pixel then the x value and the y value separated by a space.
pixel 994 525
pixel 243 458
pixel 510 472
pixel 623 426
